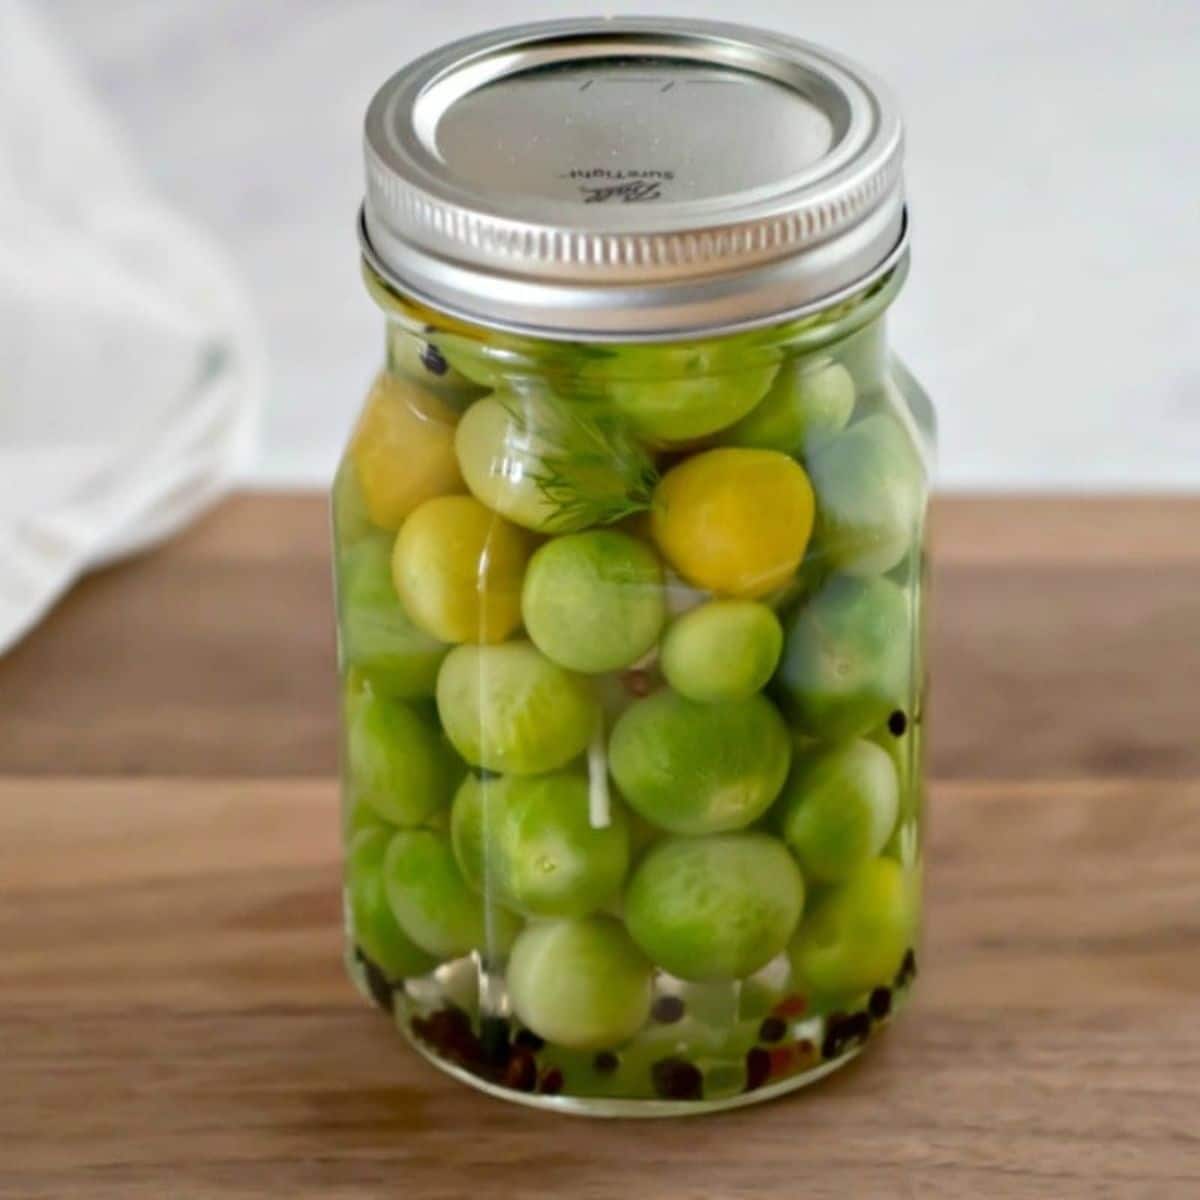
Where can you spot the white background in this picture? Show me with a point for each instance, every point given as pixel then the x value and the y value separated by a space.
pixel 1054 177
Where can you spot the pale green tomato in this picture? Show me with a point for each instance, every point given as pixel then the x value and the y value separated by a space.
pixel 374 926
pixel 675 394
pixel 528 842
pixel 870 490
pixel 854 936
pixel 838 809
pixel 397 761
pixel 434 906
pixel 594 602
pixel 808 403
pixel 714 907
pixel 700 768
pixel 377 637
pixel 723 650
pixel 581 984
pixel 847 657
pixel 508 708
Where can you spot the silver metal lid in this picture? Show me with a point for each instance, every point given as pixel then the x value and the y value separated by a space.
pixel 631 178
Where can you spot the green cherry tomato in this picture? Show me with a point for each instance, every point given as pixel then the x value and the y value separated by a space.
pixel 377 637
pixel 594 601
pixel 374 926
pixel 432 903
pixel 839 808
pixel 722 650
pixel 847 657
pixel 397 761
pixel 700 768
pixel 808 403
pixel 674 394
pixel 581 984
pixel 714 907
pixel 870 490
pixel 508 708
pixel 856 932
pixel 528 842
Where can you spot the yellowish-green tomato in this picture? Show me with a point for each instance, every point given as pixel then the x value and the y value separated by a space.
pixel 508 708
pixel 377 639
pixel 839 808
pixel 500 456
pixel 374 926
pixel 528 841
pixel 734 521
pixel 594 601
pixel 696 768
pixel 581 984
pixel 723 650
pixel 403 450
pixel 870 489
pixel 434 906
pixel 675 394
pixel 855 933
pixel 458 568
pixel 397 761
pixel 807 404
pixel 714 907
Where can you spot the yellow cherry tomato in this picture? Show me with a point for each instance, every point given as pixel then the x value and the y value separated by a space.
pixel 734 521
pixel 403 450
pixel 458 568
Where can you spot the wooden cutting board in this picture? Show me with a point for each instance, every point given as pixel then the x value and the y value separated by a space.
pixel 174 1021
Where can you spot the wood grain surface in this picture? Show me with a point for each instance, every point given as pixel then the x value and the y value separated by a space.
pixel 174 1021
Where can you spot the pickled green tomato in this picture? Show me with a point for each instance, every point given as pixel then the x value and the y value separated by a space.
pixel 700 768
pixel 376 635
pixel 581 984
pixel 508 708
pixel 674 394
pixel 846 657
pixel 723 650
pixel 839 808
pixel 528 842
pixel 432 903
pixel 870 491
pixel 855 933
pixel 716 907
pixel 376 930
pixel 397 761
pixel 594 601
pixel 808 403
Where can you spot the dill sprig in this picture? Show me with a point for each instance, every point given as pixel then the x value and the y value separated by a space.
pixel 586 464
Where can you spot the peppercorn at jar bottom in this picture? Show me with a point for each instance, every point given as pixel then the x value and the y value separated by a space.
pixel 705 1047
pixel 633 708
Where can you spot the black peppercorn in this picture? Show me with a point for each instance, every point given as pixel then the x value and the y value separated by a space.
pixel 433 360
pixel 677 1079
pixel 667 1010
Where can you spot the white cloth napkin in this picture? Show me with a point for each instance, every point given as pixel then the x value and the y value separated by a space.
pixel 131 370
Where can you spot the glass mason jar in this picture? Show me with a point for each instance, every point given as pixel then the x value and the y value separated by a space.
pixel 629 558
